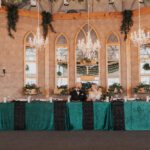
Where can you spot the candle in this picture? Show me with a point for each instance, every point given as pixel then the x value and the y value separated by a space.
pixel 51 99
pixel 5 100
pixel 107 99
pixel 125 98
pixel 69 99
pixel 29 99
pixel 147 98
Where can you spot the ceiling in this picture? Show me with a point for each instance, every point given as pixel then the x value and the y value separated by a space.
pixel 95 5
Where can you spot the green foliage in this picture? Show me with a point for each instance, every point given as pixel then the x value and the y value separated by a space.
pixel 145 87
pixel 31 86
pixel 64 90
pixel 64 65
pixel 12 18
pixel 59 73
pixel 113 68
pixel 127 22
pixel 146 66
pixel 46 22
pixel 116 88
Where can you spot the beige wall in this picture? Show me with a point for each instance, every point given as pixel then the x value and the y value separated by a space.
pixel 12 53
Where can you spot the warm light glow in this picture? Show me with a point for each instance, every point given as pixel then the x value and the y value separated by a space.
pixel 88 47
pixel 38 40
pixel 140 37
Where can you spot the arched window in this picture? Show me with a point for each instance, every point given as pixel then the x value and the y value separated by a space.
pixel 30 62
pixel 145 63
pixel 61 61
pixel 87 70
pixel 113 59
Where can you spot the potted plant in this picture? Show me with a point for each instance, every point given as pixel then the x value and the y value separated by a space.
pixel 116 88
pixel 142 88
pixel 31 89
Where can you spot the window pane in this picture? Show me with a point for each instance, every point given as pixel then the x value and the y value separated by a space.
pixel 30 68
pixel 30 54
pixel 145 61
pixel 87 70
pixel 61 62
pixel 30 81
pixel 113 64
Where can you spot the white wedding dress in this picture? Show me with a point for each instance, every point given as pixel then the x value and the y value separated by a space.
pixel 94 95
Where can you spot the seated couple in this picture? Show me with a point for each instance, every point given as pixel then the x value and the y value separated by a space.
pixel 80 95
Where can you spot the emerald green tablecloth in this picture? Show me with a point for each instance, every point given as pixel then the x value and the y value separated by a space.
pixel 39 116
pixel 102 116
pixel 74 111
pixel 6 116
pixel 137 115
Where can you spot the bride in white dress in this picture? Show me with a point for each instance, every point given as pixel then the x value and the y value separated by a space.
pixel 95 94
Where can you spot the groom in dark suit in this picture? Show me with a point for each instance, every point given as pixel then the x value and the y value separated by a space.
pixel 78 94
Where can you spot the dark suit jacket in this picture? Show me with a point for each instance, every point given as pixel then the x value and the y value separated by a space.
pixel 78 97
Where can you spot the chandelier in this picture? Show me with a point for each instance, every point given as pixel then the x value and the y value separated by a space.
pixel 88 48
pixel 140 37
pixel 38 40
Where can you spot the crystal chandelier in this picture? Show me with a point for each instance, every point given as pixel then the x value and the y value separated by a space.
pixel 88 48
pixel 38 40
pixel 140 37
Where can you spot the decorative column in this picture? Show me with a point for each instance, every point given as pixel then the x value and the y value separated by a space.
pixel 128 62
pixel 72 65
pixel 102 63
pixel 52 63
pixel 47 69
pixel 135 66
pixel 123 63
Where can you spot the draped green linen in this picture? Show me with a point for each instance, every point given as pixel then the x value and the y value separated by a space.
pixel 102 116
pixel 6 116
pixel 39 116
pixel 74 113
pixel 137 115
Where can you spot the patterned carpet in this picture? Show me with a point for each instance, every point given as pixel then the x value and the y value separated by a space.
pixel 78 140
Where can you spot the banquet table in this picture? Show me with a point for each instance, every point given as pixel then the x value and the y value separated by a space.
pixel 137 115
pixel 38 115
pixel 41 116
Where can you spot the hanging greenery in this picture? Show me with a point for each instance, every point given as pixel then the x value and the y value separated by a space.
pixel 127 22
pixel 12 18
pixel 46 22
pixel 146 66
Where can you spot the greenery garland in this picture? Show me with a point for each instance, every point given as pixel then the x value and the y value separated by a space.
pixel 127 22
pixel 46 22
pixel 12 18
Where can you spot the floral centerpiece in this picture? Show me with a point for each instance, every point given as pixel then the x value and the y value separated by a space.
pixel 116 88
pixel 31 89
pixel 142 88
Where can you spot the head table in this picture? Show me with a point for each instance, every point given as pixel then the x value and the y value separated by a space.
pixel 38 115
